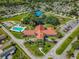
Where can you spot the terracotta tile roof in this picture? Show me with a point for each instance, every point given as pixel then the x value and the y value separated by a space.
pixel 50 31
pixel 40 32
pixel 40 36
pixel 39 27
pixel 28 32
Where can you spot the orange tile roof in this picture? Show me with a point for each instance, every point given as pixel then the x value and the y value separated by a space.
pixel 39 27
pixel 40 32
pixel 40 36
pixel 50 31
pixel 28 32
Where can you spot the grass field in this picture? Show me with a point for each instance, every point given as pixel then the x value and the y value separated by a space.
pixel 73 48
pixel 15 18
pixel 67 42
pixel 20 54
pixel 34 48
pixel 11 1
pixel 18 35
pixel 77 57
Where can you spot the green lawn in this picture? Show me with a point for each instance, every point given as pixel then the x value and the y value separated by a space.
pixel 52 38
pixel 48 46
pixel 70 52
pixel 50 58
pixel 67 42
pixel 75 45
pixel 8 46
pixel 64 20
pixel 77 57
pixel 1 31
pixel 20 54
pixel 34 48
pixel 15 18
pixel 11 1
pixel 18 35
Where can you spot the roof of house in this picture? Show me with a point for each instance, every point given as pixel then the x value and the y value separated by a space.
pixel 28 32
pixel 50 31
pixel 9 24
pixel 39 27
pixel 40 32
pixel 6 52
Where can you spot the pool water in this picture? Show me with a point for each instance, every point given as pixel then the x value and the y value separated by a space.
pixel 18 29
pixel 38 13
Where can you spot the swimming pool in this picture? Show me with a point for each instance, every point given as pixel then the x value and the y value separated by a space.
pixel 18 29
pixel 38 13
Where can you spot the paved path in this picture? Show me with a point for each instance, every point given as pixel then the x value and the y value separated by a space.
pixel 52 52
pixel 11 15
pixel 6 44
pixel 68 48
pixel 19 43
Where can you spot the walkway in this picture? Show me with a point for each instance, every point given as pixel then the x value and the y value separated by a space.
pixel 52 52
pixel 19 43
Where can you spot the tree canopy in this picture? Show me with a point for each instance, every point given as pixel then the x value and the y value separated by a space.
pixel 36 20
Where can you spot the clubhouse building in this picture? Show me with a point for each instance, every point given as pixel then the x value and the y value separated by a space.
pixel 40 32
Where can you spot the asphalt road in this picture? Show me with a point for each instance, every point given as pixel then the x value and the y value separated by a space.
pixel 50 53
pixel 19 43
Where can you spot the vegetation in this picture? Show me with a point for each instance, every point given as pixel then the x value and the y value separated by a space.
pixel 75 46
pixel 34 47
pixel 2 32
pixel 47 20
pixel 11 44
pixel 52 20
pixel 10 2
pixel 67 42
pixel 50 58
pixel 17 34
pixel 62 20
pixel 77 57
pixel 19 54
pixel 15 18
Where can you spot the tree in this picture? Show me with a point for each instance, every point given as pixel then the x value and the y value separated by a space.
pixel 78 37
pixel 26 20
pixel 75 45
pixel 52 20
pixel 39 21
